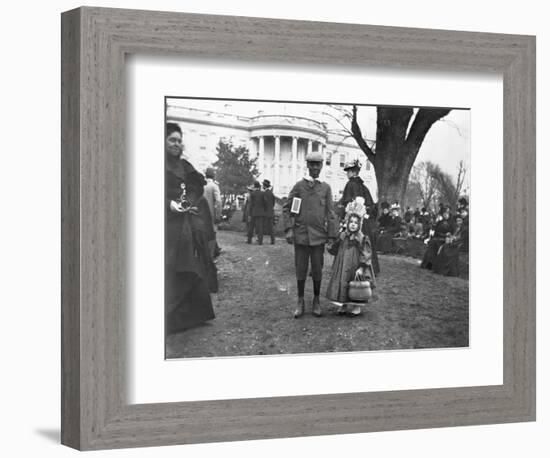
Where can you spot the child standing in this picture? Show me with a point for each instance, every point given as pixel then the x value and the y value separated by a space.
pixel 353 253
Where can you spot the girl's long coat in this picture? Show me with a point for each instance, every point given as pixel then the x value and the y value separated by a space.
pixel 351 253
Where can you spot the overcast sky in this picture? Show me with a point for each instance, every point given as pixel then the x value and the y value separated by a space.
pixel 446 144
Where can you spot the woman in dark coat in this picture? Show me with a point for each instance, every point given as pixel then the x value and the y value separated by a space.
pixel 355 187
pixel 441 229
pixel 190 273
pixel 446 261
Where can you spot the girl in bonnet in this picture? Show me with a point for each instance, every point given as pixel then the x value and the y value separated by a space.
pixel 353 253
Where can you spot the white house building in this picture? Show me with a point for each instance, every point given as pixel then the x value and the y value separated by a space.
pixel 279 141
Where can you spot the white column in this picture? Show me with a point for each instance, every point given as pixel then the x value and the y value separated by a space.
pixel 261 155
pixel 309 146
pixel 252 150
pixel 277 170
pixel 294 159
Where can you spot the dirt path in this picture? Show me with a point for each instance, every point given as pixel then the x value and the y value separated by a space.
pixel 413 308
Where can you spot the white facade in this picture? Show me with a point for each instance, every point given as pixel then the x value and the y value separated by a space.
pixel 279 141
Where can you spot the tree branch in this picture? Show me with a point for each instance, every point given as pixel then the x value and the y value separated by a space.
pixel 423 120
pixel 337 120
pixel 358 136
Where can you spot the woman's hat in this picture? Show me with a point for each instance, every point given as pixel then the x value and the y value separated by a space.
pixel 266 183
pixel 354 164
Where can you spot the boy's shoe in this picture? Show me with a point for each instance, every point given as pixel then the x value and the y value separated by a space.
pixel 300 308
pixel 316 307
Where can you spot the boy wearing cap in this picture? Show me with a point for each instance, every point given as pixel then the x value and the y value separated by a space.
pixel 310 222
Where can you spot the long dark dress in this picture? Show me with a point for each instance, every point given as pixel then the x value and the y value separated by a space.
pixel 190 273
pixel 440 230
pixel 356 187
pixel 446 260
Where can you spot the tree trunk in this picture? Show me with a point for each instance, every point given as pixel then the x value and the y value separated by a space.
pixel 392 177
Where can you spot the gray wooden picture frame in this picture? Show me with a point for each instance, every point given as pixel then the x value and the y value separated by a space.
pixel 95 412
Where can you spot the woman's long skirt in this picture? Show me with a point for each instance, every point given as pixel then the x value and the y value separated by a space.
pixel 431 253
pixel 446 261
pixel 188 302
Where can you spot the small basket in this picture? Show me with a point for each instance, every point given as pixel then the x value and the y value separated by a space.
pixel 359 289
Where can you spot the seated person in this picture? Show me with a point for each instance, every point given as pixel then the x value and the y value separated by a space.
pixel 446 260
pixel 441 228
pixel 389 224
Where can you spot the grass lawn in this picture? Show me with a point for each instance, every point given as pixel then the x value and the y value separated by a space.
pixel 412 308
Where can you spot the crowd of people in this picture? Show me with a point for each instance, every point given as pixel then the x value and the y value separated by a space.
pixel 419 223
pixel 448 235
pixel 445 234
pixel 351 230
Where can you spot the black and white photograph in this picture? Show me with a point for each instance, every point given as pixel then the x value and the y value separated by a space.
pixel 314 227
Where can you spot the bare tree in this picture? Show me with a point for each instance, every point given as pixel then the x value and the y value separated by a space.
pixel 422 181
pixel 449 190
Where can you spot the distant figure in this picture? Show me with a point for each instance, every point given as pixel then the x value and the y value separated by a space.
pixel 310 222
pixel 213 197
pixel 441 229
pixel 269 214
pixel 390 226
pixel 257 210
pixel 446 260
pixel 246 207
pixel 465 235
pixel 408 215
pixel 462 203
pixel 425 219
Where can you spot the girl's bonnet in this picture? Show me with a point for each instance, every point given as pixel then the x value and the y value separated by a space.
pixel 356 207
